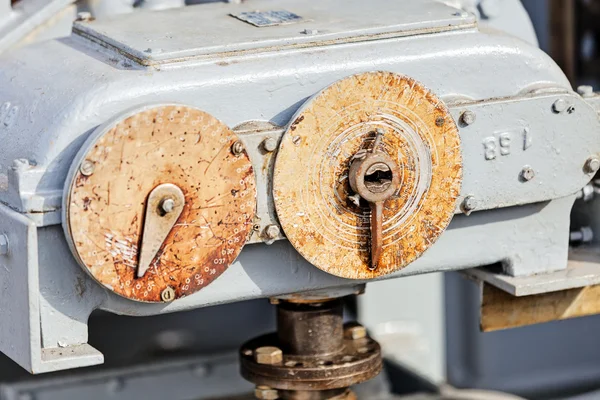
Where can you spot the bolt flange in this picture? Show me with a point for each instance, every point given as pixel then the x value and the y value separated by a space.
pixel 592 165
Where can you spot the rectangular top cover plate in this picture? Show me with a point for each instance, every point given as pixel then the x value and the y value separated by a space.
pixel 211 30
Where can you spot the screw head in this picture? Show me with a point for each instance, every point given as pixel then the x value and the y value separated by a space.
pixel 84 16
pixel 297 140
pixel 269 144
pixel 265 393
pixel 560 105
pixel 168 294
pixel 3 245
pixel 468 117
pixel 440 121
pixel 592 165
pixel 527 173
pixel 167 205
pixel 268 355
pixel 469 204
pixel 87 167
pixel 355 332
pixel 272 231
pixel 237 148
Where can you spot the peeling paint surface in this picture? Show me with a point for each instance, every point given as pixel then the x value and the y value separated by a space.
pixel 168 144
pixel 311 186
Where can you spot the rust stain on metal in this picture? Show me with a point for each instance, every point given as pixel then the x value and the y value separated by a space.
pixel 157 146
pixel 311 185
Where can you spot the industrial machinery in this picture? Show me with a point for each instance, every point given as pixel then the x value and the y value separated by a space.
pixel 162 161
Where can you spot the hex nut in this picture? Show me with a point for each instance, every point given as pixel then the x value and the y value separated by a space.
pixel 468 117
pixel 585 91
pixel 168 294
pixel 592 165
pixel 167 205
pixel 265 393
pixel 527 173
pixel 3 245
pixel 272 231
pixel 237 148
pixel 355 332
pixel 469 204
pixel 268 355
pixel 269 144
pixel 87 168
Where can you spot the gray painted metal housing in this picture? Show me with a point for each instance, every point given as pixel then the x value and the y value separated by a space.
pixel 55 94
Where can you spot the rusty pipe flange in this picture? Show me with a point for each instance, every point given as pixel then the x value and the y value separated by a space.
pixel 359 361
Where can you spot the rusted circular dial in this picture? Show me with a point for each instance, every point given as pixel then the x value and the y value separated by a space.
pixel 170 168
pixel 386 116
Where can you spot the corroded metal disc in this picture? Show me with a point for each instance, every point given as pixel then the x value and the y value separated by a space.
pixel 311 186
pixel 109 185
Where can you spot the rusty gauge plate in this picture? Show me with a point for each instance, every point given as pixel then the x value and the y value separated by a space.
pixel 159 202
pixel 406 137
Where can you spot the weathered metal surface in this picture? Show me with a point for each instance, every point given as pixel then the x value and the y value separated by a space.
pixel 315 353
pixel 136 37
pixel 105 209
pixel 501 310
pixel 311 187
pixel 583 270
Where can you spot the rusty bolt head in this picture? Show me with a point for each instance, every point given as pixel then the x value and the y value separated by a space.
pixel 87 167
pixel 168 294
pixel 468 117
pixel 268 355
pixel 355 332
pixel 265 393
pixel 527 173
pixel 272 231
pixel 237 148
pixel 269 144
pixel 440 121
pixel 3 245
pixel 592 165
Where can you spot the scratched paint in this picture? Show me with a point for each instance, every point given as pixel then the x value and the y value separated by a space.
pixel 167 144
pixel 311 186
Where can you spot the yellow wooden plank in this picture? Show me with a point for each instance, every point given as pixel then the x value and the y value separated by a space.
pixel 501 310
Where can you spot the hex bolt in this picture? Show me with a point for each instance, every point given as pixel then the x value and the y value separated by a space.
pixel 560 105
pixel 469 204
pixel 440 121
pixel 585 91
pixel 583 235
pixel 268 355
pixel 84 16
pixel 87 168
pixel 272 231
pixel 468 117
pixel 527 173
pixel 3 245
pixel 265 393
pixel 167 205
pixel 237 148
pixel 592 165
pixel 269 144
pixel 355 332
pixel 168 294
